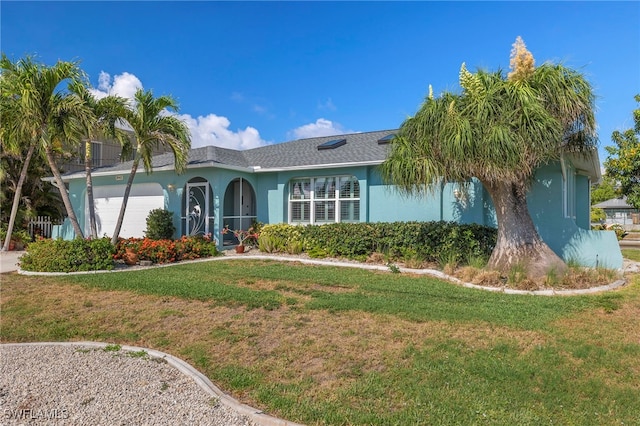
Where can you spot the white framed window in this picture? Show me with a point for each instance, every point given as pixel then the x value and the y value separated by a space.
pixel 325 199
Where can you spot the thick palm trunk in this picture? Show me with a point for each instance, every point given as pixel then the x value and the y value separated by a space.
pixel 16 197
pixel 518 240
pixel 63 192
pixel 125 199
pixel 92 210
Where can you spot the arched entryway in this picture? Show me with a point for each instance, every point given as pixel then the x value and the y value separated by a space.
pixel 239 211
pixel 197 214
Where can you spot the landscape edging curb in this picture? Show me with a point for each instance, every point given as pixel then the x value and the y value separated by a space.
pixel 432 272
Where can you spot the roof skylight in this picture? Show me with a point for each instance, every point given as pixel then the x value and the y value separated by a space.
pixel 332 144
pixel 385 140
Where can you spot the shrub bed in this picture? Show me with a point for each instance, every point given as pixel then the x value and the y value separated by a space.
pixel 20 237
pixel 429 241
pixel 48 255
pixel 167 251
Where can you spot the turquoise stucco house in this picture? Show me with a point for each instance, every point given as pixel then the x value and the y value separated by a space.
pixel 331 179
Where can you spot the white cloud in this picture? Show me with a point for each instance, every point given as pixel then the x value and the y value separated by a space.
pixel 205 130
pixel 214 130
pixel 322 127
pixel 124 85
pixel 104 81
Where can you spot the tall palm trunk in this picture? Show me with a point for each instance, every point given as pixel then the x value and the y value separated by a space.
pixel 518 238
pixel 63 192
pixel 125 199
pixel 87 169
pixel 17 195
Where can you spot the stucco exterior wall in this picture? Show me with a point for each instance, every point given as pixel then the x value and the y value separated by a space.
pixel 448 202
pixel 562 234
pixel 568 235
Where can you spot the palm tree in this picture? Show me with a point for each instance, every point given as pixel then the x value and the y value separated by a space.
pixel 9 117
pixel 36 113
pixel 107 112
pixel 498 130
pixel 39 198
pixel 152 127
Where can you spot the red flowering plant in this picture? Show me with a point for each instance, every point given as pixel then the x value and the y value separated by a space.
pixel 242 236
pixel 158 251
pixel 195 247
pixel 167 251
pixel 125 244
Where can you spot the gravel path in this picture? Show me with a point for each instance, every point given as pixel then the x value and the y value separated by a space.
pixel 76 385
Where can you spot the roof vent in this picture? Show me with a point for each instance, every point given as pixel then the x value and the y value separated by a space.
pixel 332 144
pixel 385 140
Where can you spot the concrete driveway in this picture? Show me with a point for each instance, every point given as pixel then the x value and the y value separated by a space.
pixel 9 260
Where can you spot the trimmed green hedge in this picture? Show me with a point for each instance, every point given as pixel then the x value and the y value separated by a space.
pixel 68 256
pixel 426 240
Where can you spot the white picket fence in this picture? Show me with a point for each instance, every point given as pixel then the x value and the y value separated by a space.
pixel 42 226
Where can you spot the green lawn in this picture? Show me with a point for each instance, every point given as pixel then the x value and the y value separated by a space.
pixel 325 345
pixel 631 254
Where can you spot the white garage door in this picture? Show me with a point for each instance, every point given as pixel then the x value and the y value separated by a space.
pixel 143 198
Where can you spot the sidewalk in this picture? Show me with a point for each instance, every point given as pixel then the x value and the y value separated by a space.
pixel 9 260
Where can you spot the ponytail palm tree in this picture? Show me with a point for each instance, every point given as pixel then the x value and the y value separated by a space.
pixel 499 129
pixel 37 113
pixel 152 127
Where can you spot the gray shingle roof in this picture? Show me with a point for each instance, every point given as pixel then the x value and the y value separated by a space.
pixel 615 203
pixel 360 148
pixel 216 155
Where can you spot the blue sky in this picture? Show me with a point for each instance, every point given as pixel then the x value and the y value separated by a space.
pixel 247 74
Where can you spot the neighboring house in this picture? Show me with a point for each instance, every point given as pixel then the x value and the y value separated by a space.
pixel 104 152
pixel 619 212
pixel 332 179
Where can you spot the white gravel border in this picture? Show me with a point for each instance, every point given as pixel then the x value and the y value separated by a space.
pixel 16 358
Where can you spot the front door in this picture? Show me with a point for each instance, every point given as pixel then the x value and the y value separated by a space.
pixel 197 208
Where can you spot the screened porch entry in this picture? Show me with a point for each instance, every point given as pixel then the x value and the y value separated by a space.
pixel 239 211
